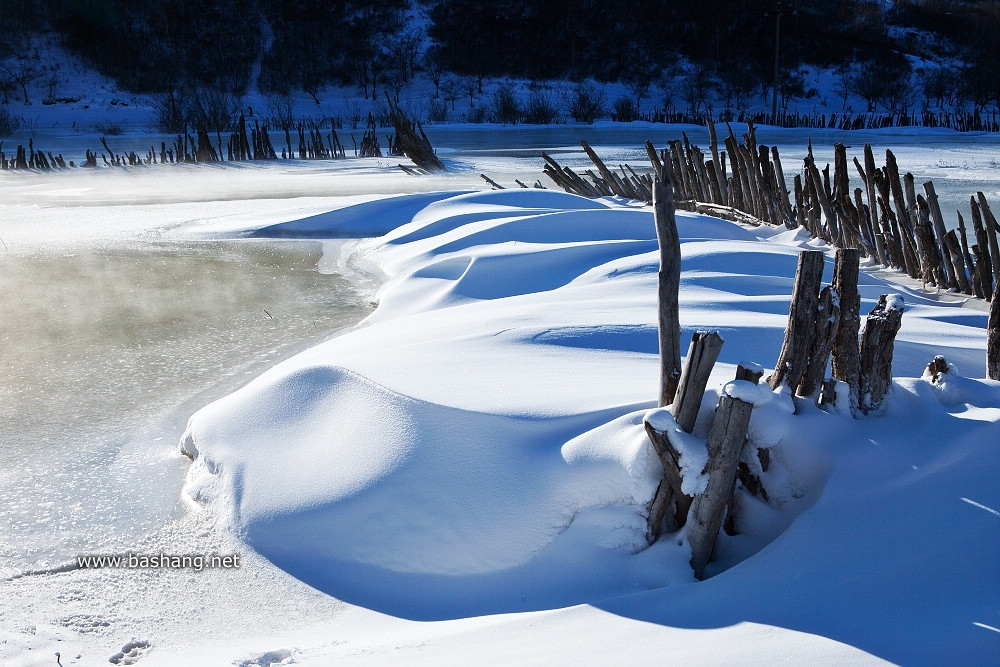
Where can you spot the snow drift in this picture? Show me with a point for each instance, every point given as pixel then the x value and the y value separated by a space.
pixel 476 445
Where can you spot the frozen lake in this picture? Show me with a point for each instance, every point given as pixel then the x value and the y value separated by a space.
pixel 106 350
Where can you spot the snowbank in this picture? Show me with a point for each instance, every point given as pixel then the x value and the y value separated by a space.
pixel 476 446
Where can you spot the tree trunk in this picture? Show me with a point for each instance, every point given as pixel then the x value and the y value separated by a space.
pixel 877 343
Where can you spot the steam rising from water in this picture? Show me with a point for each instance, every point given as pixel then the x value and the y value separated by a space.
pixel 105 351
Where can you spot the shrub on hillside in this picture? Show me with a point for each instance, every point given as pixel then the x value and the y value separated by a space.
pixel 624 110
pixel 587 103
pixel 437 111
pixel 540 110
pixel 504 107
pixel 169 115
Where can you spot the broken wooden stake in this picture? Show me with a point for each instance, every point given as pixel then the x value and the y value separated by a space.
pixel 669 498
pixel 701 357
pixel 877 343
pixel 826 327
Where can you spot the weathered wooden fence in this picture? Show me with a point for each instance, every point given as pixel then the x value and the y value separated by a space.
pixel 886 219
pixel 698 492
pixel 249 143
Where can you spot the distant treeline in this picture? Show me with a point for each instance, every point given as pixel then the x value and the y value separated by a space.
pixel 157 46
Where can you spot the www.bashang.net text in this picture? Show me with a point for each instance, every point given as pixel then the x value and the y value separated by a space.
pixel 134 561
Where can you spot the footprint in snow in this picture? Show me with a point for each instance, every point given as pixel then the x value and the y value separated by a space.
pixel 278 657
pixel 131 653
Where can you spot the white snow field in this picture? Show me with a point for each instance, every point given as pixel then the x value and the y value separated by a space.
pixel 462 478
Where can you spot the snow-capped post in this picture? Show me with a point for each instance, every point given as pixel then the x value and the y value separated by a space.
pixel 701 357
pixel 801 330
pixel 877 343
pixel 993 338
pixel 669 497
pixel 846 363
pixel 725 446
pixel 668 322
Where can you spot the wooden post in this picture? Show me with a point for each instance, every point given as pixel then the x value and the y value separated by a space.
pixel 902 214
pixel 990 223
pixel 701 357
pixel 606 173
pixel 799 334
pixel 720 170
pixel 930 258
pixel 782 190
pixel 669 278
pixel 869 179
pixel 969 262
pixel 827 324
pixel 993 338
pixel 957 260
pixel 800 206
pixel 984 263
pixel 877 343
pixel 669 499
pixel 725 445
pixel 819 190
pixel 939 232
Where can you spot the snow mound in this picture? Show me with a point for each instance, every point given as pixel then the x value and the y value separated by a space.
pixel 476 446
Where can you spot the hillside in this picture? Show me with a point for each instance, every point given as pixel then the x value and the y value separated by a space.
pixel 906 58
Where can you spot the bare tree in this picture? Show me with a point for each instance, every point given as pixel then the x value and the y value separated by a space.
pixel 7 85
pixel 52 80
pixel 452 90
pixel 432 63
pixel 695 89
pixel 23 71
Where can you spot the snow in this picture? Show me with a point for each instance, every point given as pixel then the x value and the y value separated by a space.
pixel 510 363
pixel 894 302
pixel 748 392
pixel 463 477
